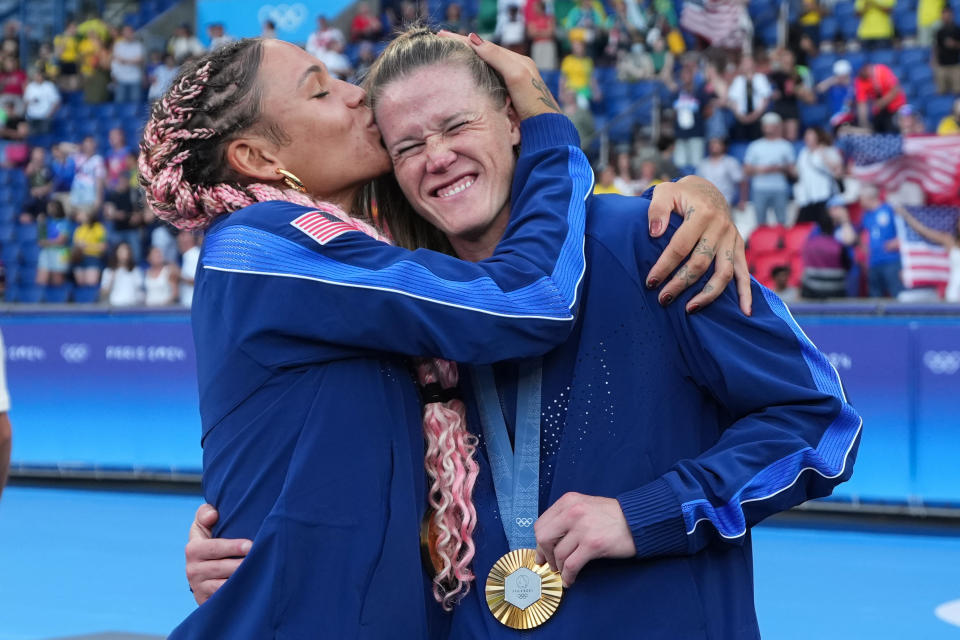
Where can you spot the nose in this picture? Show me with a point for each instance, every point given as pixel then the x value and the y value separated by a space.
pixel 353 95
pixel 439 155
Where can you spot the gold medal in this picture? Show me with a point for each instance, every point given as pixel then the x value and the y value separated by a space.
pixel 520 593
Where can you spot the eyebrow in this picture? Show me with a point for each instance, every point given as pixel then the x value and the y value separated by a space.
pixel 312 69
pixel 446 122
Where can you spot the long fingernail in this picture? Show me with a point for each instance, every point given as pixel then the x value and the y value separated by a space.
pixel 652 283
pixel 655 227
pixel 475 39
pixel 694 308
pixel 666 299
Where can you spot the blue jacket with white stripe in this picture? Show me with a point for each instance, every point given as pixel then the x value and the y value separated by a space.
pixel 312 426
pixel 700 425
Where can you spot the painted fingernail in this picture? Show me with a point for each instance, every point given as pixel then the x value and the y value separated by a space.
pixel 694 307
pixel 652 283
pixel 475 39
pixel 666 299
pixel 655 226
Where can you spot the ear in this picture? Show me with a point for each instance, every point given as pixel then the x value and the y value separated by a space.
pixel 254 159
pixel 514 123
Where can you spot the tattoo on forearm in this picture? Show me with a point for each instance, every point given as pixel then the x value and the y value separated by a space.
pixel 545 96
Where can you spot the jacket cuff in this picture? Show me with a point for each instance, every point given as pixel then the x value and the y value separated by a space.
pixel 655 520
pixel 548 130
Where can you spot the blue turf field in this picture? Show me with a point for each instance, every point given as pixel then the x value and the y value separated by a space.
pixel 74 562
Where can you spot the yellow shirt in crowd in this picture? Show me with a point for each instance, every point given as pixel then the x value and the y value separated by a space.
pixel 948 126
pixel 577 72
pixel 928 12
pixel 69 45
pixel 811 13
pixel 93 236
pixel 599 189
pixel 875 20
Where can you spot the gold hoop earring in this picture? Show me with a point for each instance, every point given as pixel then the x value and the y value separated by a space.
pixel 292 181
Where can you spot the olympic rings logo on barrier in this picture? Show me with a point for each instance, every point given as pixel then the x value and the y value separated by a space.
pixel 524 522
pixel 942 362
pixel 287 17
pixel 840 360
pixel 75 352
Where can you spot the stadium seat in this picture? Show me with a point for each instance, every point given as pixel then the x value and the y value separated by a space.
pixel 814 115
pixel 796 236
pixel 924 90
pixel 26 234
pixel 769 33
pixel 56 295
pixel 763 265
pixel 906 23
pixel 6 232
pixel 911 58
pixel 29 255
pixel 848 28
pixel 615 90
pixel 829 28
pixel 8 212
pixel 642 89
pixel 738 150
pixel 26 275
pixel 856 59
pixel 9 254
pixel 10 294
pixel 86 295
pixel 552 80
pixel 822 67
pixel 883 56
pixel 29 293
pixel 846 12
pixel 765 239
pixel 937 106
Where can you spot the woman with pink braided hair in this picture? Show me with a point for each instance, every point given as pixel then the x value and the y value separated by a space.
pixel 310 447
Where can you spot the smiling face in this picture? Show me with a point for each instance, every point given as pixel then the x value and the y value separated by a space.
pixel 332 143
pixel 452 151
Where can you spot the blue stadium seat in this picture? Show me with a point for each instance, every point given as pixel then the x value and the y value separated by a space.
pixel 26 275
pixel 615 91
pixel 606 75
pixel 10 254
pixel 822 67
pixel 6 232
pixel 923 91
pixel 814 115
pixel 7 212
pixel 59 294
pixel 856 59
pixel 906 23
pixel 552 80
pixel 29 255
pixel 642 89
pixel 920 74
pixel 130 111
pixel 738 150
pixel 883 56
pixel 769 32
pixel 10 294
pixel 914 57
pixel 937 107
pixel 848 28
pixel 26 234
pixel 29 293
pixel 829 28
pixel 846 12
pixel 86 295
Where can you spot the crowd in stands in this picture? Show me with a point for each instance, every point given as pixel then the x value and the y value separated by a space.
pixel 756 110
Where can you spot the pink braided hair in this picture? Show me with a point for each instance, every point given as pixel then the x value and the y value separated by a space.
pixel 450 448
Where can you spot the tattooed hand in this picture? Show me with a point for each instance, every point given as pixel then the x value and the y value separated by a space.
pixel 528 91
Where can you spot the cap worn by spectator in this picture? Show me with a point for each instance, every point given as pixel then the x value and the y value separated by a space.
pixel 770 118
pixel 842 68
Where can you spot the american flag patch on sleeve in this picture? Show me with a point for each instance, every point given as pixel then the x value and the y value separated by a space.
pixel 322 226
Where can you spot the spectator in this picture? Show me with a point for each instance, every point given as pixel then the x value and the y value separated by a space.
pixel 16 150
pixel 589 18
pixel 819 168
pixel 826 254
pixel 748 98
pixel 542 32
pixel 950 123
pixel 320 39
pixel 366 56
pixel 94 24
pixel 781 283
pixel 624 180
pixel 162 77
pixel 662 58
pixel 723 170
pixel 689 105
pixel 949 241
pixel 839 93
pixel 579 114
pixel 39 183
pixel 126 67
pixel 67 54
pixel 87 188
pixel 876 25
pixel 218 37
pixel 365 25
pixel 454 21
pixel 649 176
pixel 161 281
pixel 769 162
pixel 89 246
pixel 511 31
pixel 64 168
pixel 619 35
pixel 337 64
pixel 42 101
pixel 183 44
pixel 929 15
pixel 123 224
pixel 718 115
pixel 634 64
pixel 576 70
pixel 879 96
pixel 809 20
pixel 606 181
pixel 910 122
pixel 94 68
pixel 123 280
pixel 189 259
pixel 883 264
pixel 946 54
pixel 53 236
pixel 790 85
pixel 13 82
pixel 45 61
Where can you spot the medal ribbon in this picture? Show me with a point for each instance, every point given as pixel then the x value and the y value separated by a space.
pixel 516 471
